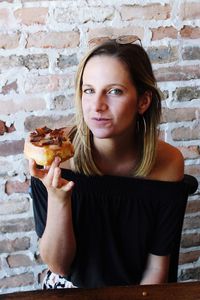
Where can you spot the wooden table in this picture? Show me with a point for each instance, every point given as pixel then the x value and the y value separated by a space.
pixel 172 291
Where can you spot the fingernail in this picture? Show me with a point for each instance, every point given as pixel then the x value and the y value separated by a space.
pixel 57 159
pixel 71 183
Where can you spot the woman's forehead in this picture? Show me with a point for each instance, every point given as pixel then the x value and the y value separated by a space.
pixel 105 67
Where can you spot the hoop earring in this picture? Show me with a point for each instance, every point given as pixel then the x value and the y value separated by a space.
pixel 145 125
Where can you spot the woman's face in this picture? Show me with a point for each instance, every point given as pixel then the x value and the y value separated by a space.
pixel 109 98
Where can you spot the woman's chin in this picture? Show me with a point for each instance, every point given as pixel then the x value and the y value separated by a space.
pixel 101 133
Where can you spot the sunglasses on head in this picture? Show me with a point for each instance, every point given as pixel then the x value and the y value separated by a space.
pixel 122 40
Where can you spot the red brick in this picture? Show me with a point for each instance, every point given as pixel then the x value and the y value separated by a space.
pixel 191 53
pixel 16 187
pixel 190 240
pixel 63 102
pixel 6 129
pixel 193 206
pixel 18 244
pixel 162 54
pixel 27 104
pixel 33 122
pixel 153 11
pixel 56 40
pixel 190 152
pixel 186 93
pixel 17 225
pixel 85 14
pixel 14 206
pixel 32 15
pixel 184 133
pixel 6 19
pixel 190 32
pixel 190 11
pixel 67 61
pixel 8 87
pixel 164 32
pixel 17 280
pixel 11 147
pixel 19 260
pixel 177 73
pixel 48 83
pixel 193 170
pixel 30 61
pixel 9 41
pixel 9 62
pixel 39 83
pixel 104 33
pixel 2 127
pixel 179 114
pixel 192 222
pixel 192 273
pixel 189 257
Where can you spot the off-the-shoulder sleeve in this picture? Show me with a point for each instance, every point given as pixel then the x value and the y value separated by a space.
pixel 39 196
pixel 169 218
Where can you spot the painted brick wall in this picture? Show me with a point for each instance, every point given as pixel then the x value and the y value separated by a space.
pixel 41 43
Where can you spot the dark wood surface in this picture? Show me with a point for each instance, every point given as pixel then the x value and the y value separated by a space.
pixel 177 291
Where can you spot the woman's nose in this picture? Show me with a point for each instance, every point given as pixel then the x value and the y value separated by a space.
pixel 100 103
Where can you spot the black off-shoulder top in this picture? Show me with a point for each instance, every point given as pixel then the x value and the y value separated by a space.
pixel 117 221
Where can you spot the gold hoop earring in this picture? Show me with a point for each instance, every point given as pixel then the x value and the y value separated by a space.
pixel 144 125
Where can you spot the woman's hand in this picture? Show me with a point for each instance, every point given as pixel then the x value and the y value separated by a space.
pixel 56 186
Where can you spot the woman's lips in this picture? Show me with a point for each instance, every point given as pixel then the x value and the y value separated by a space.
pixel 101 121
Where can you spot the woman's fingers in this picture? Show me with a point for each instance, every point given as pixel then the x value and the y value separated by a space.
pixel 34 171
pixel 56 178
pixel 68 187
pixel 50 175
pixel 61 183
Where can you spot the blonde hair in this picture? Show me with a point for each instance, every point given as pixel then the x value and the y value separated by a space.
pixel 141 73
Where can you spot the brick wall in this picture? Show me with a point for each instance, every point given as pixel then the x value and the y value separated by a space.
pixel 41 43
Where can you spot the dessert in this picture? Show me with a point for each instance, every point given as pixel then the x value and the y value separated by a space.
pixel 44 144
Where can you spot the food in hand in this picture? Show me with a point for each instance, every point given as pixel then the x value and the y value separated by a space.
pixel 44 144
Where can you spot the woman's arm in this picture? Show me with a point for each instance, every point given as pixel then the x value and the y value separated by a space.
pixel 57 244
pixel 157 270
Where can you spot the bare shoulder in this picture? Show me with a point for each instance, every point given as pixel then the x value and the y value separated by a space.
pixel 169 165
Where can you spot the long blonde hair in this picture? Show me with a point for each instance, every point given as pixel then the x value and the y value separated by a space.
pixel 139 66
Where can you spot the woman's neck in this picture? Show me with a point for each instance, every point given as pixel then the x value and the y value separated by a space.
pixel 115 156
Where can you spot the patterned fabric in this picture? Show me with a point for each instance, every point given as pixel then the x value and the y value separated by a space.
pixel 55 281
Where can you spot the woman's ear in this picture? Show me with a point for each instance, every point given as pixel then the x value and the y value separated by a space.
pixel 144 102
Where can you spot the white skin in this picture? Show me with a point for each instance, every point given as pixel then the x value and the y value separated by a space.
pixel 110 105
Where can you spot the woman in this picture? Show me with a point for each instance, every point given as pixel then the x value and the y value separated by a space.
pixel 115 207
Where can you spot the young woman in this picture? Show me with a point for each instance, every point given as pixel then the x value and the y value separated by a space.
pixel 114 208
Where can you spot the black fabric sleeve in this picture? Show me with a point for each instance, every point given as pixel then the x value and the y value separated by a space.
pixel 39 195
pixel 169 220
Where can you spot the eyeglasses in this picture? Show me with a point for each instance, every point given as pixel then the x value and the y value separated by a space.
pixel 122 40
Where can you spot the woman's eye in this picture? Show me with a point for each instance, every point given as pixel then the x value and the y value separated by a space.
pixel 115 92
pixel 88 91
